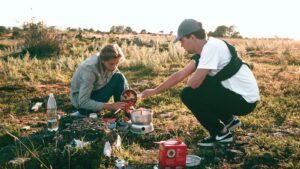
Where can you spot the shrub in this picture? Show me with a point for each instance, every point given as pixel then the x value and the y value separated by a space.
pixel 41 41
pixel 3 30
pixel 16 33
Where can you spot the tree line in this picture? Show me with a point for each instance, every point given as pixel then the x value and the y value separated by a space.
pixel 220 31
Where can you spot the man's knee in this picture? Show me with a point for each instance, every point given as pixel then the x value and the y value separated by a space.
pixel 187 94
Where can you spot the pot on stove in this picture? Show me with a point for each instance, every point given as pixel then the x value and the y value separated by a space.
pixel 141 116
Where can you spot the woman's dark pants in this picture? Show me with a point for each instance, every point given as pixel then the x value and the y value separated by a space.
pixel 114 87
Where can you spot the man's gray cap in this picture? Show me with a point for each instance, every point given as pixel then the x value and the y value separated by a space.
pixel 186 27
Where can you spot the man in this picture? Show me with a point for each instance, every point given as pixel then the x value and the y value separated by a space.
pixel 96 80
pixel 221 85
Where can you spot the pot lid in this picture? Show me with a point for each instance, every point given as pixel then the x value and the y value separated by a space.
pixel 192 160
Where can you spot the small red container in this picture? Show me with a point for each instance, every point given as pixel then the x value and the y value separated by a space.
pixel 172 154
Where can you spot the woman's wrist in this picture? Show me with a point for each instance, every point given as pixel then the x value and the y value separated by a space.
pixel 108 106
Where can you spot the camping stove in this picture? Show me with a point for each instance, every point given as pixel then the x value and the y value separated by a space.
pixel 141 128
pixel 141 121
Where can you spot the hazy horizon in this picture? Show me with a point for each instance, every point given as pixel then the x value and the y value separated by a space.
pixel 260 19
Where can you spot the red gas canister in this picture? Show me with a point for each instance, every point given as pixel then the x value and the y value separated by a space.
pixel 172 154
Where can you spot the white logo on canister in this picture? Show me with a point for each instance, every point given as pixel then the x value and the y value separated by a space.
pixel 171 153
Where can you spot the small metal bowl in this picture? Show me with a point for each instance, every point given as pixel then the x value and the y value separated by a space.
pixel 129 96
pixel 141 116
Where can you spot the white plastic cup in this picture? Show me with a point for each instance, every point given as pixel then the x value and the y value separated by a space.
pixel 93 115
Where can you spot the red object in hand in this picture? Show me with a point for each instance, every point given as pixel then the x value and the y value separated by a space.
pixel 172 154
pixel 129 97
pixel 129 106
pixel 109 120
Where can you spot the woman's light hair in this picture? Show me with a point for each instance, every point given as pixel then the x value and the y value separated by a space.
pixel 111 51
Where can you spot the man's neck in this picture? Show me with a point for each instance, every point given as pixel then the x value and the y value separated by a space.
pixel 200 45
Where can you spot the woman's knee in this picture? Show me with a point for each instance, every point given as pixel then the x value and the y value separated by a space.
pixel 118 77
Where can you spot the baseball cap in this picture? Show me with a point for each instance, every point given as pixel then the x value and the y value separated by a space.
pixel 186 27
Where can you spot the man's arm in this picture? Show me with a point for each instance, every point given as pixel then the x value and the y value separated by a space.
pixel 174 79
pixel 197 78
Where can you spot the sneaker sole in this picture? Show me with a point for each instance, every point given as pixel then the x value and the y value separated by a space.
pixel 205 144
pixel 226 140
pixel 234 126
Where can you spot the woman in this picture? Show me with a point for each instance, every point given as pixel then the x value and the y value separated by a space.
pixel 96 80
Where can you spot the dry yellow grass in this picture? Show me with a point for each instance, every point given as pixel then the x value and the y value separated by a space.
pixel 276 65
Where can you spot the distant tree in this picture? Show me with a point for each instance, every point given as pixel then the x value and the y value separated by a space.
pixel 69 29
pixel 171 33
pixel 91 30
pixel 161 32
pixel 143 31
pixel 113 29
pixel 128 30
pixel 40 40
pixel 79 34
pixel 120 29
pixel 16 29
pixel 237 35
pixel 224 31
pixel 117 29
pixel 16 32
pixel 98 31
pixel 3 30
pixel 220 31
pixel 233 33
pixel 8 30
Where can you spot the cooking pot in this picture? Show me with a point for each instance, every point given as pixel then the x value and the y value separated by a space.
pixel 141 116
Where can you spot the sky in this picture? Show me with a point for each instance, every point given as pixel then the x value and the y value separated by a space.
pixel 252 18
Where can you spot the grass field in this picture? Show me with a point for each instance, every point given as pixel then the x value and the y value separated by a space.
pixel 268 138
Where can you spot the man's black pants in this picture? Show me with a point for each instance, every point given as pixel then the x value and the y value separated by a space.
pixel 211 102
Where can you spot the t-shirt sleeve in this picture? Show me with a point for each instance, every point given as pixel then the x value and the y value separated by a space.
pixel 209 58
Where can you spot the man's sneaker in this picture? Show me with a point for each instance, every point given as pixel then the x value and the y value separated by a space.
pixel 210 141
pixel 234 123
pixel 207 142
pixel 77 114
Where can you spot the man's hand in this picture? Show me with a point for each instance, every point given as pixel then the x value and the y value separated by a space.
pixel 148 93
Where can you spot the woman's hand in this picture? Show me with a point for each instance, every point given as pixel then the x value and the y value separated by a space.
pixel 119 105
pixel 115 106
pixel 148 92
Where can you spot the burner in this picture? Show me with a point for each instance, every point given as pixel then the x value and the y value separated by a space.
pixel 141 129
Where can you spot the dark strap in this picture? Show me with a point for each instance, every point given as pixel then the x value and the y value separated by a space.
pixel 231 68
pixel 196 58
